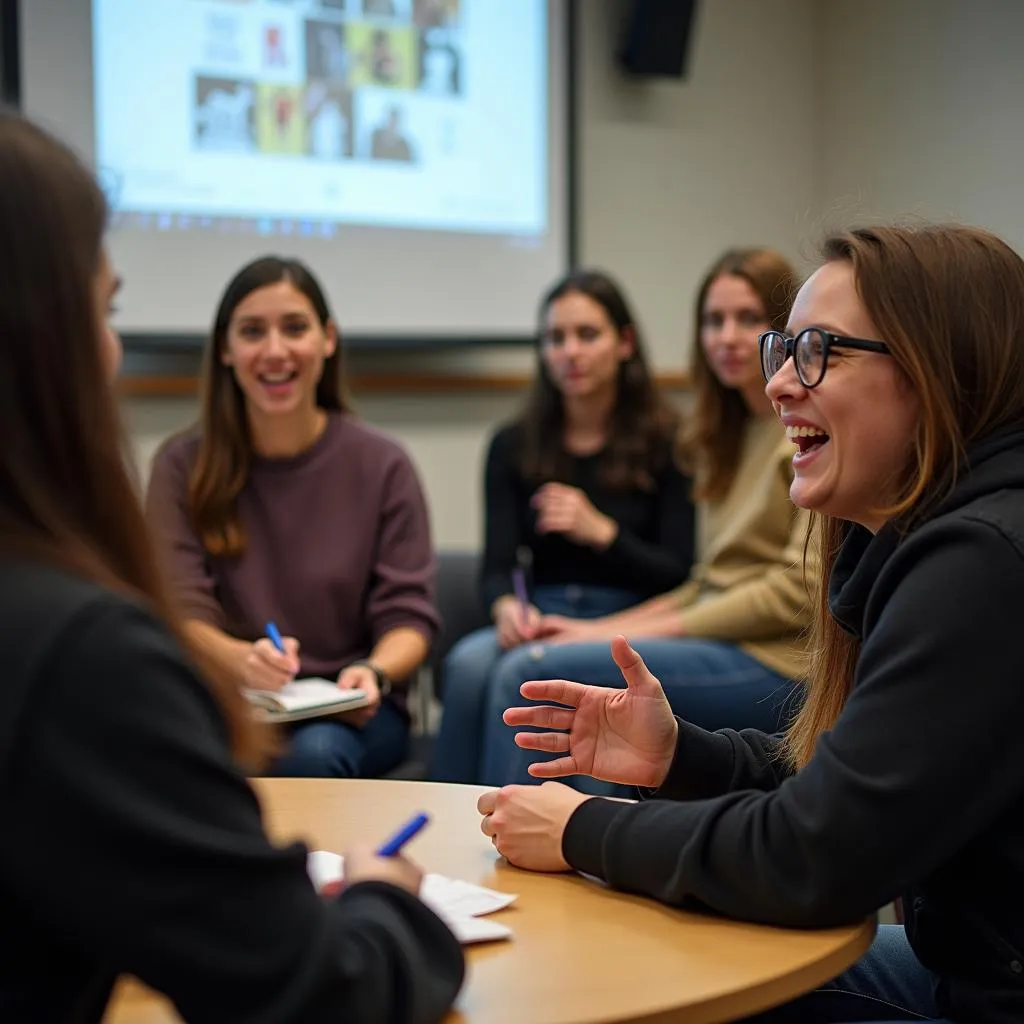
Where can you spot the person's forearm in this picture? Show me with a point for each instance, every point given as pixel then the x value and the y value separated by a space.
pixel 660 616
pixel 399 652
pixel 225 654
pixel 666 625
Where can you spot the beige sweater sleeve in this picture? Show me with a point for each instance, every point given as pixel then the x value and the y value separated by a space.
pixel 774 603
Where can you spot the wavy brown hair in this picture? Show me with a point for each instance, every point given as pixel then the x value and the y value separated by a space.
pixel 949 302
pixel 713 438
pixel 67 497
pixel 643 425
pixel 225 447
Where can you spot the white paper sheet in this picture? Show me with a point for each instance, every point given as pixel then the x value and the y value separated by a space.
pixel 460 904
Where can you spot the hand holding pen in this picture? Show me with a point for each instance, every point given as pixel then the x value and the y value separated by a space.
pixel 271 661
pixel 515 618
pixel 385 864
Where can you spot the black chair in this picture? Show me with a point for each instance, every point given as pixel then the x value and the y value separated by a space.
pixel 458 601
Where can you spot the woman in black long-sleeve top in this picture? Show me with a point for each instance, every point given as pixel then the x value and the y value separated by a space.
pixel 583 498
pixel 131 841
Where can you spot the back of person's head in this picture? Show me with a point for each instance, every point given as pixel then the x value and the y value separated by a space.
pixel 948 301
pixel 643 423
pixel 714 432
pixel 67 498
pixel 225 448
pixel 65 493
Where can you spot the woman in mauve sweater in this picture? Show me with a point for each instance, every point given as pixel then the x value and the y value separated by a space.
pixel 728 645
pixel 281 507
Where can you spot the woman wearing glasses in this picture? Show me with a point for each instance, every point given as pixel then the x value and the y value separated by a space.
pixel 903 388
pixel 729 643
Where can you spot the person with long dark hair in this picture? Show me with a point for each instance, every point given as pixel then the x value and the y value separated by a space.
pixel 280 506
pixel 584 497
pixel 729 644
pixel 131 841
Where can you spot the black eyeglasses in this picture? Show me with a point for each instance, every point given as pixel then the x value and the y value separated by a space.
pixel 810 350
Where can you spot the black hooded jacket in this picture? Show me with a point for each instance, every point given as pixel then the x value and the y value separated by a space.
pixel 918 789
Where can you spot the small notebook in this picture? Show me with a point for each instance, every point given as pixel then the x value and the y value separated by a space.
pixel 304 698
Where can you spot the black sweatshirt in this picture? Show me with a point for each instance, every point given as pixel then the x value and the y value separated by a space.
pixel 130 843
pixel 918 790
pixel 652 553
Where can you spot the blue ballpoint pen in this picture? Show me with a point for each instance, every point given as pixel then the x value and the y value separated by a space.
pixel 394 845
pixel 275 637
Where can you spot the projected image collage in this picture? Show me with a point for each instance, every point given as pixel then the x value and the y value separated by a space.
pixel 327 80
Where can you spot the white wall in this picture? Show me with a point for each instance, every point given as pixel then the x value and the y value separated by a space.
pixel 671 174
pixel 923 114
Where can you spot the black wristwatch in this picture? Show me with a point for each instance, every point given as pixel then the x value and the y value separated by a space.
pixel 383 679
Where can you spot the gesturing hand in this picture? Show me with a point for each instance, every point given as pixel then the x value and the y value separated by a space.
pixel 567 510
pixel 626 736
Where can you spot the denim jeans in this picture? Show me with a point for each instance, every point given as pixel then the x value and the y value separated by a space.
pixel 328 749
pixel 712 684
pixel 888 984
pixel 471 667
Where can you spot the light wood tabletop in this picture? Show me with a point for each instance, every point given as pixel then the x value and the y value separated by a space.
pixel 580 953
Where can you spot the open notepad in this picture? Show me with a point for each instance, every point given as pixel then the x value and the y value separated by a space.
pixel 304 698
pixel 460 904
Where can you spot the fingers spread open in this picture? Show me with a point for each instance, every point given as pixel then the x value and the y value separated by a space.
pixel 554 742
pixel 632 666
pixel 558 691
pixel 543 716
pixel 556 769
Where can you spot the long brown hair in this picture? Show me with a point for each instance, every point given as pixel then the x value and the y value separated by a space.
pixel 225 448
pixel 643 424
pixel 949 302
pixel 67 497
pixel 713 437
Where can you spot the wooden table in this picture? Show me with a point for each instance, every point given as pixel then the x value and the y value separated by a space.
pixel 581 954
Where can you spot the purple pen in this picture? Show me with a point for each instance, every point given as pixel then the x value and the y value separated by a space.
pixel 519 588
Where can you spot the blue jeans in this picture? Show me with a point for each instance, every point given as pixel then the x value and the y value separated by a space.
pixel 327 749
pixel 471 667
pixel 712 684
pixel 887 984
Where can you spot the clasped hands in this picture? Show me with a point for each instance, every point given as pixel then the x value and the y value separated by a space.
pixel 267 668
pixel 626 736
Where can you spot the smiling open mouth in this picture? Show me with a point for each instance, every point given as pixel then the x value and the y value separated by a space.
pixel 807 439
pixel 271 379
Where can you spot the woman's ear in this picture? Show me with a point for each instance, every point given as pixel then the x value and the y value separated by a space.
pixel 330 339
pixel 627 342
